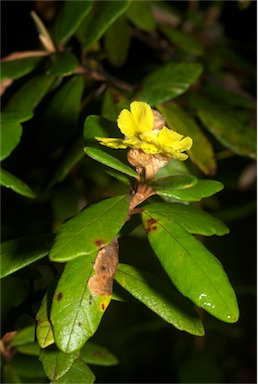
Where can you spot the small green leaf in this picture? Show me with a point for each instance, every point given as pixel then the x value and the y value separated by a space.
pixel 101 17
pixel 76 312
pixel 14 69
pixel 140 14
pixel 177 182
pixel 160 298
pixel 10 134
pixel 17 254
pixel 24 336
pixel 110 161
pixel 56 363
pixel 99 126
pixel 230 131
pixel 185 42
pixel 201 153
pixel 69 19
pixel 203 188
pixel 193 220
pixel 44 331
pixel 31 349
pixel 63 64
pixel 117 42
pixel 67 102
pixel 168 82
pixel 195 272
pixel 78 373
pixel 91 229
pixel 26 99
pixel 9 374
pixel 97 355
pixel 10 181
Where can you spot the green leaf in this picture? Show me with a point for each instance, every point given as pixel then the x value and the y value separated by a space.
pixel 9 374
pixel 44 331
pixel 63 64
pixel 140 14
pixel 78 373
pixel 99 126
pixel 195 272
pixel 56 363
pixel 160 298
pixel 168 82
pixel 230 131
pixel 91 229
pixel 69 19
pixel 193 220
pixel 176 182
pixel 110 161
pixel 10 181
pixel 117 42
pixel 14 69
pixel 185 42
pixel 76 312
pixel 28 367
pixel 201 153
pixel 62 115
pixel 101 17
pixel 203 188
pixel 113 102
pixel 97 355
pixel 10 134
pixel 24 336
pixel 26 99
pixel 17 254
pixel 31 349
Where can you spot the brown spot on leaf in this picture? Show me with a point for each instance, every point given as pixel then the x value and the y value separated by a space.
pixel 59 296
pixel 79 324
pixel 102 306
pixel 150 225
pixel 99 243
pixel 101 283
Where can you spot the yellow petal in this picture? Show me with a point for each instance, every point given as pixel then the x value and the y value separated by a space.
pixel 149 148
pixel 167 136
pixel 143 116
pixel 127 124
pixel 112 143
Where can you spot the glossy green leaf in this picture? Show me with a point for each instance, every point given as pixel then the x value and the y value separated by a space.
pixel 91 229
pixel 24 336
pixel 62 115
pixel 10 135
pixel 160 298
pixel 26 99
pixel 101 17
pixel 168 82
pixel 202 189
pixel 10 181
pixel 192 219
pixel 117 42
pixel 9 374
pixel 69 19
pixel 17 254
pixel 140 14
pixel 76 312
pixel 195 272
pixel 31 349
pixel 44 331
pixel 14 69
pixel 110 161
pixel 97 126
pixel 177 182
pixel 201 153
pixel 63 64
pixel 185 42
pixel 113 102
pixel 56 363
pixel 230 131
pixel 97 355
pixel 78 373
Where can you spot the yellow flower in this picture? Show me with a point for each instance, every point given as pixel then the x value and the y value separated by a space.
pixel 137 127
